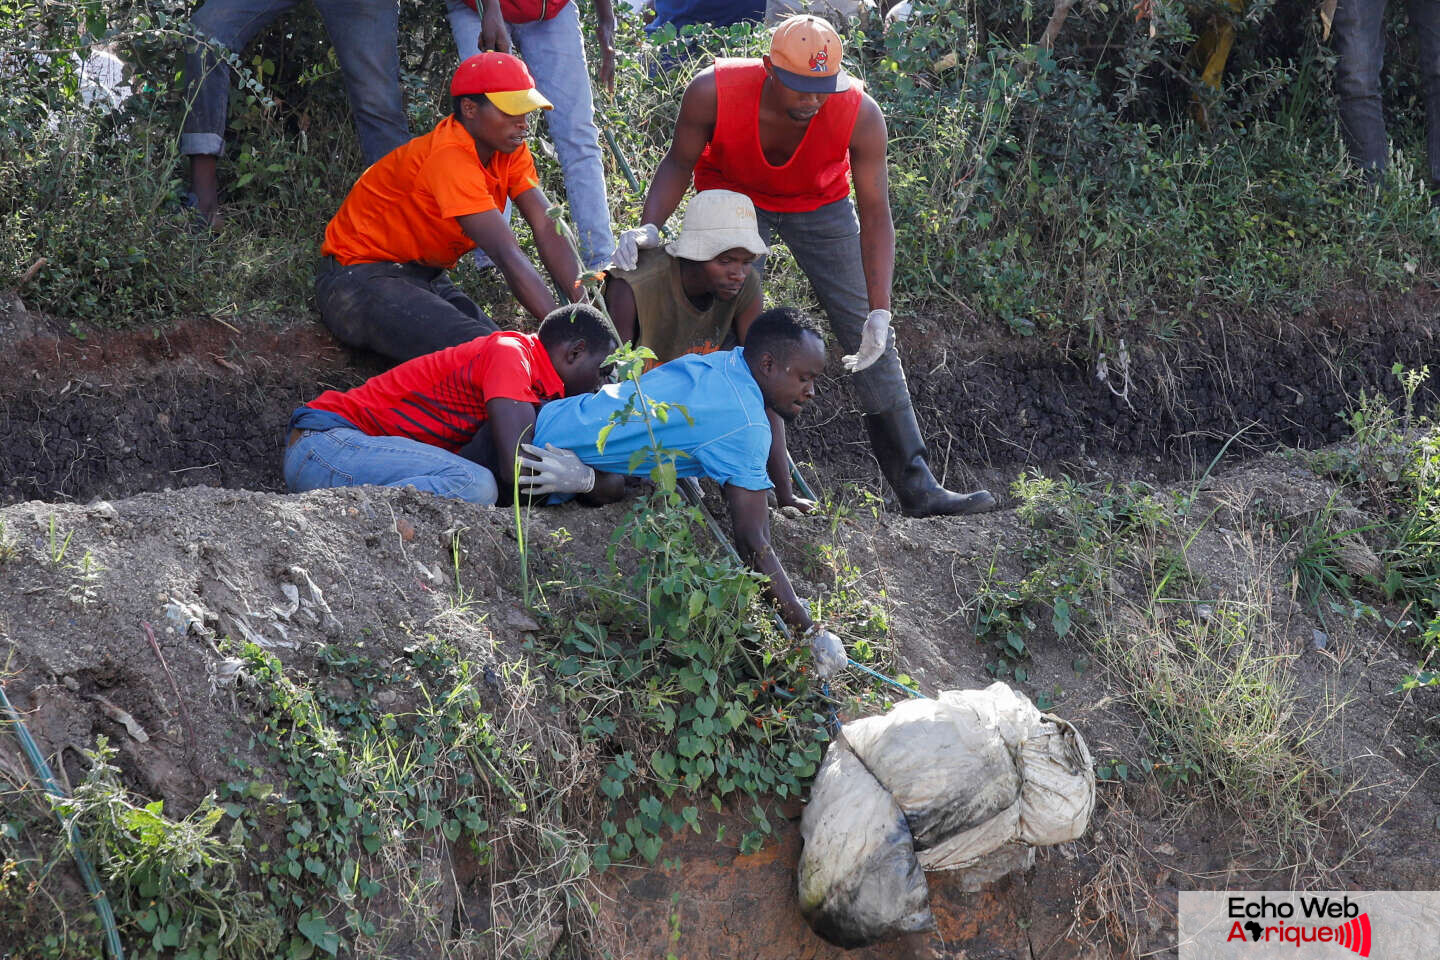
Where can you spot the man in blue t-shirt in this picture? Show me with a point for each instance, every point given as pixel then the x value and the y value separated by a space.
pixel 726 436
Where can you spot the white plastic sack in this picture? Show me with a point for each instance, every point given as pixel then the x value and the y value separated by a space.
pixel 947 770
pixel 859 881
pixel 997 707
pixel 1057 784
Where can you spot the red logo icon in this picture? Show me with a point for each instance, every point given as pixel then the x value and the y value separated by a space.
pixel 820 61
pixel 1355 935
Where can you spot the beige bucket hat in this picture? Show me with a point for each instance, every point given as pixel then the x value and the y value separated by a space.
pixel 716 221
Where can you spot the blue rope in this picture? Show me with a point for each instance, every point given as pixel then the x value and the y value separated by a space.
pixel 72 833
pixel 890 680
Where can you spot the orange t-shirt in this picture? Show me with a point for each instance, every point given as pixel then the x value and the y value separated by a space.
pixel 403 208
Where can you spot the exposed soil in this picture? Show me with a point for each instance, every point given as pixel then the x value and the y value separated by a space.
pixel 206 403
pixel 204 406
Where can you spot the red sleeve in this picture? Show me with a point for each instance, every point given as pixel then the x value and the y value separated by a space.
pixel 521 175
pixel 456 183
pixel 505 373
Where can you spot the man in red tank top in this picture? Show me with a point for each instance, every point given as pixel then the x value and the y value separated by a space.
pixel 791 131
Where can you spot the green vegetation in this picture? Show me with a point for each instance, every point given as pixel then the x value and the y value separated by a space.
pixel 1049 191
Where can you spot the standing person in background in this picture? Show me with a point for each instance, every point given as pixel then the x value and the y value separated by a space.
pixel 787 131
pixel 364 34
pixel 547 34
pixel 382 282
pixel 1360 43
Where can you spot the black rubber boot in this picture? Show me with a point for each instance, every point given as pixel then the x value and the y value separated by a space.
pixel 895 439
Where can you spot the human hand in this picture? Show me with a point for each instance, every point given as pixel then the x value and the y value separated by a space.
pixel 553 470
pixel 631 242
pixel 605 34
pixel 827 651
pixel 795 507
pixel 493 35
pixel 873 340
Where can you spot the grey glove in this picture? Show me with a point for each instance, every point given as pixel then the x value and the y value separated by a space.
pixel 554 470
pixel 631 242
pixel 873 338
pixel 827 651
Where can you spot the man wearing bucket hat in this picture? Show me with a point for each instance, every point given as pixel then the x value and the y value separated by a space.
pixel 791 131
pixel 700 293
pixel 382 284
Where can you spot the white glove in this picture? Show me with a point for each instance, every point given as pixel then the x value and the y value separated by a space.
pixel 631 242
pixel 554 470
pixel 827 651
pixel 873 339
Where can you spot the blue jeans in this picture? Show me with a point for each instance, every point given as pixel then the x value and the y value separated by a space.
pixel 826 245
pixel 1360 45
pixel 555 53
pixel 364 34
pixel 345 457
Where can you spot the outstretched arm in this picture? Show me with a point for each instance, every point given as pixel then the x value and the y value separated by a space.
pixel 555 251
pixel 492 234
pixel 693 131
pixel 750 517
pixel 872 201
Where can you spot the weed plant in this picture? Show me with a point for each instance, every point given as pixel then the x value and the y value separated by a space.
pixel 1052 191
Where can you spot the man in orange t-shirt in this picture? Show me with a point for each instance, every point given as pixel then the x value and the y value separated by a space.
pixel 410 217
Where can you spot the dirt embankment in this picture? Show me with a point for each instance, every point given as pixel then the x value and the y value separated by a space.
pixel 376 568
pixel 204 404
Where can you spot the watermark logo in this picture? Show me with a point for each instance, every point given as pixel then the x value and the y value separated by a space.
pixel 1304 925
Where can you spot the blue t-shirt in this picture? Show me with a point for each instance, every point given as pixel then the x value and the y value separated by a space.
pixel 730 439
pixel 720 13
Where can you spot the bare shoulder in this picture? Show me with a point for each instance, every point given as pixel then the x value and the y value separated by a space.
pixel 869 134
pixel 699 100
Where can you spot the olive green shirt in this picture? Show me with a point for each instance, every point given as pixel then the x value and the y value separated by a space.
pixel 665 319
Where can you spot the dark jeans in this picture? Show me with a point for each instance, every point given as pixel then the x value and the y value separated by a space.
pixel 826 245
pixel 1360 43
pixel 398 310
pixel 364 35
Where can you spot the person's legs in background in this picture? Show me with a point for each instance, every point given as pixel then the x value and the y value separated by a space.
pixel 1360 47
pixel 1425 23
pixel 365 35
pixel 231 24
pixel 554 51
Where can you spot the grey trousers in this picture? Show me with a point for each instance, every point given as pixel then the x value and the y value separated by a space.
pixel 1360 45
pixel 826 245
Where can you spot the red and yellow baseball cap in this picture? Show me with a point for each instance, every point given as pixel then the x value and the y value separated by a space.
pixel 805 52
pixel 505 81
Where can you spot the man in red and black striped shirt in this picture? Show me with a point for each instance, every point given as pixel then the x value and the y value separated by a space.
pixel 441 422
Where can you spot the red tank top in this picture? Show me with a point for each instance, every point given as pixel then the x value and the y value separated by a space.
pixel 816 174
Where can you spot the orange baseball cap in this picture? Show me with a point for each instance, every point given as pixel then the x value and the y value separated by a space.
pixel 805 53
pixel 504 79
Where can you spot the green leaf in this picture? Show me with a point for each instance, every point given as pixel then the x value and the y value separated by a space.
pixel 314 927
pixel 451 829
pixel 1061 618
pixel 663 764
pixel 604 435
